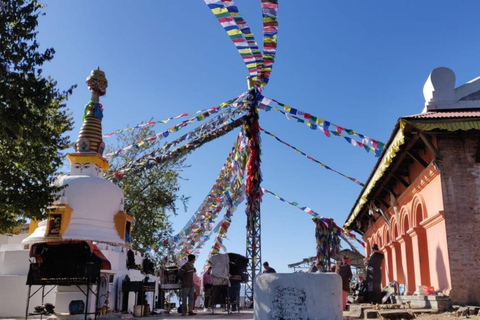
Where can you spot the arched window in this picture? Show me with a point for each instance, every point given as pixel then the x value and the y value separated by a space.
pixel 406 223
pixel 419 214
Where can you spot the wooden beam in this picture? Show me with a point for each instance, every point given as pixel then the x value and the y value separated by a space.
pixel 430 146
pixel 382 202
pixel 415 157
pixel 401 180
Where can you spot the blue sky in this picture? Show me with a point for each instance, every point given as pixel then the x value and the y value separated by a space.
pixel 358 64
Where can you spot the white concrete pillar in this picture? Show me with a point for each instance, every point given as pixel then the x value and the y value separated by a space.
pixel 293 296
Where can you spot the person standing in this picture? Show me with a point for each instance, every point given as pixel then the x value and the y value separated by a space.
pixel 267 268
pixel 318 267
pixel 186 276
pixel 207 288
pixel 197 283
pixel 234 294
pixel 345 271
pixel 359 290
pixel 374 275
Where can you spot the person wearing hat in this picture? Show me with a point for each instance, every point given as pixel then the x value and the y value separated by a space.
pixel 345 271
pixel 374 275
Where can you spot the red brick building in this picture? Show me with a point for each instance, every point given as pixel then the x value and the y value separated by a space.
pixel 421 203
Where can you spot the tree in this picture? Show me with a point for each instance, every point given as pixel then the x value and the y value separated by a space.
pixel 33 118
pixel 151 195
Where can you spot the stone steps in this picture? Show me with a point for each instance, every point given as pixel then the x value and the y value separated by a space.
pixel 367 311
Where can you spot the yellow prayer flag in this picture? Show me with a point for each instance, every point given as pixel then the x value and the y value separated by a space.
pixel 234 32
pixel 219 10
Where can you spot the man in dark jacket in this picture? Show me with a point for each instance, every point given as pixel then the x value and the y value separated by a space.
pixel 267 268
pixel 186 276
pixel 345 271
pixel 374 275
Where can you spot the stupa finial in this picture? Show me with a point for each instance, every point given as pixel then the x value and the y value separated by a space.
pixel 97 83
pixel 90 135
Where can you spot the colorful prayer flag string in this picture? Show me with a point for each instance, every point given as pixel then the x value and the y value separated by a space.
pixel 180 151
pixel 158 136
pixel 328 240
pixel 247 33
pixel 184 114
pixel 231 174
pixel 254 174
pixel 270 30
pixel 295 204
pixel 228 23
pixel 327 221
pixel 313 159
pixel 223 226
pixel 258 65
pixel 218 121
pixel 161 135
pixel 316 123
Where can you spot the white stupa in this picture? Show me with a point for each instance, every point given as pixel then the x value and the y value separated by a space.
pixel 88 214
pixel 90 207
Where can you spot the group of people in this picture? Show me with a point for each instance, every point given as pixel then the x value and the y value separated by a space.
pixel 192 283
pixel 364 290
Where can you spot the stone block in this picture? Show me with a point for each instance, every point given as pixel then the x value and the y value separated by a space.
pixel 439 303
pixel 293 296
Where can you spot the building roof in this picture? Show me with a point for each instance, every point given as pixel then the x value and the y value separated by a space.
pixel 446 109
pixel 445 114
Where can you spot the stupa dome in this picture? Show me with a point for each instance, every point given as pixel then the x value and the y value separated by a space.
pixel 95 201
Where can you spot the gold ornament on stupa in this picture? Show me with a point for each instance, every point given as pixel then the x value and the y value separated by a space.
pixel 90 136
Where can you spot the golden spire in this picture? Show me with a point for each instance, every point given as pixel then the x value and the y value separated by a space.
pixel 90 136
pixel 97 83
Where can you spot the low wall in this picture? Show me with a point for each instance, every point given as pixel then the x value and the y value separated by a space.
pixel 439 303
pixel 294 296
pixel 14 294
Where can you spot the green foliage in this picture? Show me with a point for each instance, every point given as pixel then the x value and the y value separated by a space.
pixel 150 195
pixel 33 118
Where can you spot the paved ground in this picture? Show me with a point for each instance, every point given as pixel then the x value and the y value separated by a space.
pixel 219 315
pixel 247 314
pixel 243 314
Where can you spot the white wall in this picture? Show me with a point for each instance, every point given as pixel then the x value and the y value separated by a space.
pixel 14 262
pixel 14 293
